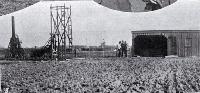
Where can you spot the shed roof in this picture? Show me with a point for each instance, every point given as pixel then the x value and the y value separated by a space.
pixel 166 31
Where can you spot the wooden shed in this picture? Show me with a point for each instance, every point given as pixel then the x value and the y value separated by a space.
pixel 155 43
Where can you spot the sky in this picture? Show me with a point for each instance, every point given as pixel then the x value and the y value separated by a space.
pixel 93 23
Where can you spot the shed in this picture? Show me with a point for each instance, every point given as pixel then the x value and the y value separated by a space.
pixel 157 43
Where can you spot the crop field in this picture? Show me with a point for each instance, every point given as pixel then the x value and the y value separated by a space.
pixel 103 75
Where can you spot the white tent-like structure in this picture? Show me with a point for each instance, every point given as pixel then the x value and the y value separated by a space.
pixel 93 23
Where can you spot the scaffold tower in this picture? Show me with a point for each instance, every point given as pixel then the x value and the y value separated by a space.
pixel 61 32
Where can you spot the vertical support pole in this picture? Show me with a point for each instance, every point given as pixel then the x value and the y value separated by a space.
pixel 0 77
pixel 132 47
pixel 64 31
pixel 71 27
pixel 57 33
pixel 51 38
pixel 13 27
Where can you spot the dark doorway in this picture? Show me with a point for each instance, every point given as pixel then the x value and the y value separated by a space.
pixel 150 45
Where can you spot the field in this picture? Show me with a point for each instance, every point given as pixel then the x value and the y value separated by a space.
pixel 103 75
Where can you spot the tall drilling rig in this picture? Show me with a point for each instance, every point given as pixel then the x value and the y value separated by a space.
pixel 15 51
pixel 60 39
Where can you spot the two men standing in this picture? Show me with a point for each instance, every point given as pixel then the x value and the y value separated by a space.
pixel 122 49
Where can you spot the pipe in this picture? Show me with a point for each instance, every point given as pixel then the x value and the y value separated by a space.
pixel 13 27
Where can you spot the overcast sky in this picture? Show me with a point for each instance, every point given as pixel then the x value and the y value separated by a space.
pixel 92 22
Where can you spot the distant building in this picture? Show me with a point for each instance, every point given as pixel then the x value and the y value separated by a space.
pixel 155 43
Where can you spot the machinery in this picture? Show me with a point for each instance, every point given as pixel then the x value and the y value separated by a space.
pixel 15 51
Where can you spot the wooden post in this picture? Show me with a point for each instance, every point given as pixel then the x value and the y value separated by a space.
pixel 0 78
pixel 132 47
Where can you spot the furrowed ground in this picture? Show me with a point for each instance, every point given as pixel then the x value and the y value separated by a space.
pixel 104 75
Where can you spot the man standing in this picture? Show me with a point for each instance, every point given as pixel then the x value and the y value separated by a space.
pixel 119 50
pixel 125 48
pixel 122 48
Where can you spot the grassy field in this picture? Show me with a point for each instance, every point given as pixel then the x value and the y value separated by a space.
pixel 103 75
